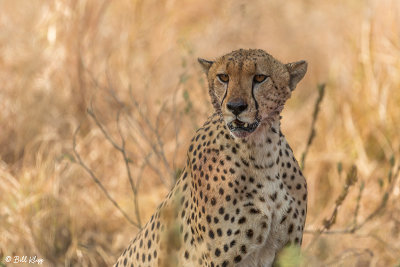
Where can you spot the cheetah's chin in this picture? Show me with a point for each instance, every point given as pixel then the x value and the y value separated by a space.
pixel 242 129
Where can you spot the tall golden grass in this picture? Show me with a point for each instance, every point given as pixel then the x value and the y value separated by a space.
pixel 136 60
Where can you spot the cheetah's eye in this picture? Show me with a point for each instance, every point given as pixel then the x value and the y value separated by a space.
pixel 259 78
pixel 223 77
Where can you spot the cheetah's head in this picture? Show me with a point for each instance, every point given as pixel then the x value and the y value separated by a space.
pixel 249 88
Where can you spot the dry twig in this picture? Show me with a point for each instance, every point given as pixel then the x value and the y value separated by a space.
pixel 97 180
pixel 351 179
pixel 355 226
pixel 158 147
pixel 321 93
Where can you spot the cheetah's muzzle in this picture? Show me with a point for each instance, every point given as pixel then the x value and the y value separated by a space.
pixel 241 129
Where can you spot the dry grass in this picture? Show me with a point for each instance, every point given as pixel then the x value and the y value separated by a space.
pixel 138 59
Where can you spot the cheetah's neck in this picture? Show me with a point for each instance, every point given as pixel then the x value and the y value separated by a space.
pixel 263 145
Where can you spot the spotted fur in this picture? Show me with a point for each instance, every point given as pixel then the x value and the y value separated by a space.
pixel 240 200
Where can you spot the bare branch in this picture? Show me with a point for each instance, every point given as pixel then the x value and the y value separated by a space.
pixel 158 148
pixel 97 181
pixel 154 168
pixel 122 150
pixel 140 173
pixel 351 179
pixel 358 203
pixel 105 133
pixel 128 170
pixel 393 176
pixel 321 93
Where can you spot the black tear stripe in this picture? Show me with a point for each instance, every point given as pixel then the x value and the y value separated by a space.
pixel 255 101
pixel 215 99
pixel 226 90
pixel 252 94
pixel 252 91
pixel 223 98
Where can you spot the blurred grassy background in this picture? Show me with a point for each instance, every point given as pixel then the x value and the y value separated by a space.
pixel 138 59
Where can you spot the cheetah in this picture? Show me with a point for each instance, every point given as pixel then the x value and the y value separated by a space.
pixel 241 197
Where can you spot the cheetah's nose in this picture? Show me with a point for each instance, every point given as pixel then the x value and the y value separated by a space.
pixel 236 105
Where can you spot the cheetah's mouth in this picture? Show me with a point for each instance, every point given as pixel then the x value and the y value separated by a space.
pixel 242 129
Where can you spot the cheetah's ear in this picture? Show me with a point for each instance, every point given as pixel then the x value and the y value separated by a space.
pixel 297 70
pixel 205 64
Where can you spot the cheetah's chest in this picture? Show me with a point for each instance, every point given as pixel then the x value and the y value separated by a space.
pixel 243 195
